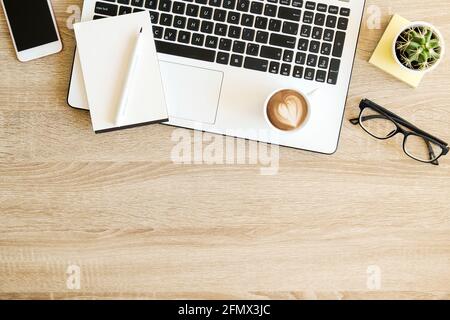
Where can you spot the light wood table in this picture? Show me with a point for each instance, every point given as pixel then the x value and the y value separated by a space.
pixel 367 222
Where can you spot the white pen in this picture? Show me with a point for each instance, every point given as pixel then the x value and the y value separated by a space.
pixel 122 109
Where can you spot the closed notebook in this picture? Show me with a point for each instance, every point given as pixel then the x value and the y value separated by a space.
pixel 382 56
pixel 105 49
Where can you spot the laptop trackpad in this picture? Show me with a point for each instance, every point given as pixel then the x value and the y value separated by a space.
pixel 191 93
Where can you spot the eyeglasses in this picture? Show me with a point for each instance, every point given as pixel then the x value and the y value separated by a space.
pixel 382 124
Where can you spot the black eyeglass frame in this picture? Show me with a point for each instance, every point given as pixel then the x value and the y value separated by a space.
pixel 398 122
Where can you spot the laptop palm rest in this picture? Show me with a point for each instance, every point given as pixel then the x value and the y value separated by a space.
pixel 191 93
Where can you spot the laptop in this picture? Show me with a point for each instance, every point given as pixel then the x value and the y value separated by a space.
pixel 221 59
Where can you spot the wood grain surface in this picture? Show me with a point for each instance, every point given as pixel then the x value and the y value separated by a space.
pixel 140 226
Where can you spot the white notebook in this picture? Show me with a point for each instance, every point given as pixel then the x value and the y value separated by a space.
pixel 105 48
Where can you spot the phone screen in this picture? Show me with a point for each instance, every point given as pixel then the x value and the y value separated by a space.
pixel 31 23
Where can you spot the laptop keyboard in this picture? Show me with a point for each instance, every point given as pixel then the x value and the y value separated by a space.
pixel 292 38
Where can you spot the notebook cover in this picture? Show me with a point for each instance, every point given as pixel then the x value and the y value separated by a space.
pixel 105 49
pixel 382 56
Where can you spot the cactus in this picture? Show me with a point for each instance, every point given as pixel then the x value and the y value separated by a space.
pixel 418 48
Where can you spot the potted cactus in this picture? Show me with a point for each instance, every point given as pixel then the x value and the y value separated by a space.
pixel 418 47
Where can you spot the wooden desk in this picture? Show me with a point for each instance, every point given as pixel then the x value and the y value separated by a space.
pixel 140 226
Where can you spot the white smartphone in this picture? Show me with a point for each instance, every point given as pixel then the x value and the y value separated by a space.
pixel 33 28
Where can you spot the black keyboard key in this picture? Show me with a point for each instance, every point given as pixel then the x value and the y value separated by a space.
pixel 236 60
pixel 314 46
pixel 338 46
pixel 297 3
pixel 229 4
pixel 233 17
pixel 305 31
pixel 273 1
pixel 303 44
pixel 288 55
pixel 138 10
pixel 328 35
pixel 151 4
pixel 211 42
pixel 262 36
pixel 256 64
pixel 179 22
pixel 207 27
pixel 223 57
pixel 345 12
pixel 185 51
pixel 310 5
pixel 252 49
pixel 282 40
pixel 308 17
pixel 289 13
pixel 166 19
pixel 317 33
pixel 285 69
pixel 270 10
pixel 256 7
pixel 170 34
pixel 309 74
pixel 206 12
pixel 321 7
pixel 137 3
pixel 220 15
pixel 96 17
pixel 247 20
pixel 184 36
pixel 333 9
pixel 238 46
pixel 326 49
pixel 225 44
pixel 124 10
pixel 198 39
pixel 261 22
pixel 193 24
pixel 215 3
pixel 178 7
pixel 157 32
pixel 243 5
pixel 298 72
pixel 300 58
pixel 154 17
pixel 274 25
pixel 201 1
pixel 321 76
pixel 311 61
pixel 290 27
pixel 107 9
pixel 234 32
pixel 271 52
pixel 332 77
pixel 323 62
pixel 342 23
pixel 221 29
pixel 248 34
pixel 319 20
pixel 165 5
pixel 274 67
pixel 285 2
pixel 192 10
pixel 331 21
pixel 334 65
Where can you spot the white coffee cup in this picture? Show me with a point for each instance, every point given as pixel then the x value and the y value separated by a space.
pixel 289 112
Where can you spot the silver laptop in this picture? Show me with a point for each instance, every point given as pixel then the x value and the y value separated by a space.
pixel 220 59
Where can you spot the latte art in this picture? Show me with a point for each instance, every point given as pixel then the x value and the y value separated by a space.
pixel 287 110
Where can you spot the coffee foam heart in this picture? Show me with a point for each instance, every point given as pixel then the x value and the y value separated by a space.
pixel 287 110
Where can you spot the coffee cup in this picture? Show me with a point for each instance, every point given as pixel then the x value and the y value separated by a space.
pixel 287 110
